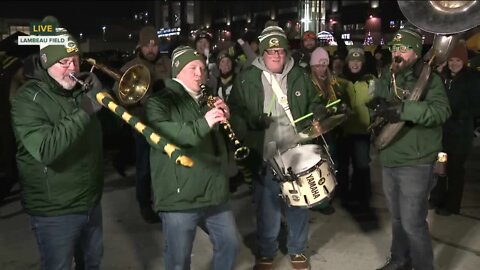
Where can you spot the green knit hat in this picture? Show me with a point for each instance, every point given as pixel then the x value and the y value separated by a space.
pixel 356 53
pixel 272 37
pixel 181 56
pixel 408 37
pixel 51 54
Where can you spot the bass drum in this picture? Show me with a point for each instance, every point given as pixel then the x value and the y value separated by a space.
pixel 314 179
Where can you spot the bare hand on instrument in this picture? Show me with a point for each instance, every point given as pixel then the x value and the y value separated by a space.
pixel 215 116
pixel 220 104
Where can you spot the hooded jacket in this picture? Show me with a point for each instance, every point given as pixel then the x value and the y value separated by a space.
pixel 247 102
pixel 59 148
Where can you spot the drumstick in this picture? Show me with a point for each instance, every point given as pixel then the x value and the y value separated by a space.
pixel 310 114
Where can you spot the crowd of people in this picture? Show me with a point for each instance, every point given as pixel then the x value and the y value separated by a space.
pixel 269 94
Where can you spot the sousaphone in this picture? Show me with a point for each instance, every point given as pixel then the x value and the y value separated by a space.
pixel 447 20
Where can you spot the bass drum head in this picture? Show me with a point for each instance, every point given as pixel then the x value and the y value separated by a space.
pixel 303 157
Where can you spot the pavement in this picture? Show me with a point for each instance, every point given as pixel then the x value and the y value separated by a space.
pixel 340 241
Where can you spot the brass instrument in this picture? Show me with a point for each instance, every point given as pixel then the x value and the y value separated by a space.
pixel 446 19
pixel 241 152
pixel 133 76
pixel 132 84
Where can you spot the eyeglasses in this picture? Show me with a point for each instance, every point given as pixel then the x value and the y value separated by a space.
pixel 399 47
pixel 273 52
pixel 66 63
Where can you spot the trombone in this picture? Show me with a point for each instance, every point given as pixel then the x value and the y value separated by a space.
pixel 133 85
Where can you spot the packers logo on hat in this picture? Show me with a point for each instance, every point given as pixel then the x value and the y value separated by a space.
pixel 356 54
pixel 71 47
pixel 273 42
pixel 177 63
pixel 397 37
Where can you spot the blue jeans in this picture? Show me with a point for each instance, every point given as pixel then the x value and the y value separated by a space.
pixel 61 238
pixel 354 148
pixel 406 190
pixel 180 227
pixel 269 211
pixel 143 181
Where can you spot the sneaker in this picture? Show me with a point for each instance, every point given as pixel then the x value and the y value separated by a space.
pixel 149 215
pixel 299 261
pixel 395 265
pixel 263 263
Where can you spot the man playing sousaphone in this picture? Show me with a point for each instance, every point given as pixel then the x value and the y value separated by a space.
pixel 408 161
pixel 265 100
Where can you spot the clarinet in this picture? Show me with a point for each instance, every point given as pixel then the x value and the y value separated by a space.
pixel 241 151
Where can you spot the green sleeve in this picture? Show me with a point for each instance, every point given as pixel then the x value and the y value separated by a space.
pixel 241 118
pixel 433 110
pixel 184 134
pixel 44 140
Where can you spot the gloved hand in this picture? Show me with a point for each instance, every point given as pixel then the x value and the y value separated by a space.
pixel 388 110
pixel 91 80
pixel 263 121
pixel 376 103
pixel 392 112
pixel 89 103
pixel 321 112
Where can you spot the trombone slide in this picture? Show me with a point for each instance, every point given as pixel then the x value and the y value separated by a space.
pixel 153 138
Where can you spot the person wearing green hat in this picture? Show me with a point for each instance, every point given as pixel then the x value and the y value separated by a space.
pixel 407 162
pixel 60 159
pixel 187 197
pixel 354 190
pixel 266 98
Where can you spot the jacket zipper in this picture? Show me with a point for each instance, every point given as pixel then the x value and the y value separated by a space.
pixel 45 171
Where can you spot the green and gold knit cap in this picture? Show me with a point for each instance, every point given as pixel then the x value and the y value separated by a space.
pixel 356 53
pixel 181 56
pixel 51 54
pixel 272 37
pixel 408 37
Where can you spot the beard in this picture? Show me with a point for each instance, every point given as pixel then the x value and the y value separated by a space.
pixel 65 81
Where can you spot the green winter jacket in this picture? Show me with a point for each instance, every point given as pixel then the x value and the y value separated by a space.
pixel 59 148
pixel 359 120
pixel 420 139
pixel 178 119
pixel 246 103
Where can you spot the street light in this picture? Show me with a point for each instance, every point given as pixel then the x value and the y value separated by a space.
pixel 104 28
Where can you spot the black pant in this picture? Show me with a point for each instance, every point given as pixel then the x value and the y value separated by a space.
pixel 143 181
pixel 449 190
pixel 354 147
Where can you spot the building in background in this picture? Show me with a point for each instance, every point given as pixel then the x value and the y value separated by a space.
pixel 361 21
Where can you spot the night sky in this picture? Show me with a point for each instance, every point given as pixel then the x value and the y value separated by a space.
pixel 77 16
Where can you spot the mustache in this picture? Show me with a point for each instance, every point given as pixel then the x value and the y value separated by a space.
pixel 398 59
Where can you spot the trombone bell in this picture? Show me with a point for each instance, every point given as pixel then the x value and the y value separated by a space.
pixel 133 84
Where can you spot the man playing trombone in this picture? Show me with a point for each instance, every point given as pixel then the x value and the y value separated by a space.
pixel 60 160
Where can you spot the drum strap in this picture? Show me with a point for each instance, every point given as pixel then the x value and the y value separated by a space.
pixel 281 97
